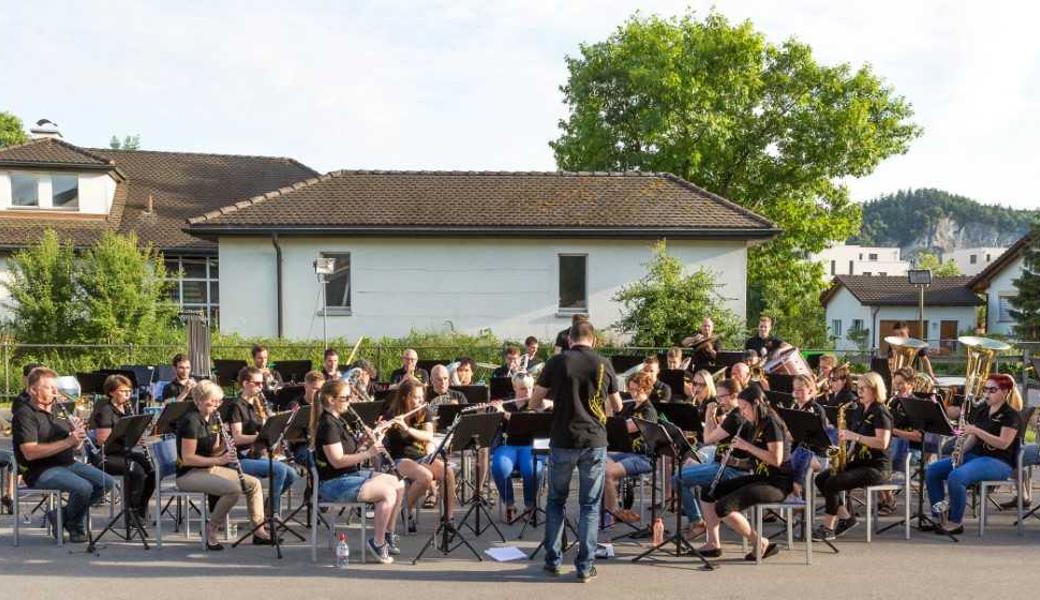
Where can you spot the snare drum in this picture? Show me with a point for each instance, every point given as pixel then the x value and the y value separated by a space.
pixel 787 360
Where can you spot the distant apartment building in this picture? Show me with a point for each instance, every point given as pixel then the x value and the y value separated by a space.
pixel 972 261
pixel 861 260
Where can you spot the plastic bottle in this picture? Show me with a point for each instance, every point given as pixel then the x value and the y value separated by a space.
pixel 657 532
pixel 342 552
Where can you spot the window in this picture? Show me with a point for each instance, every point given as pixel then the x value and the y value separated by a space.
pixel 973 259
pixel 1004 309
pixel 861 256
pixel 989 258
pixel 850 268
pixel 834 264
pixel 195 284
pixel 882 273
pixel 866 272
pixel 857 325
pixel 337 290
pixel 836 328
pixel 65 191
pixel 872 257
pixel 573 282
pixel 25 190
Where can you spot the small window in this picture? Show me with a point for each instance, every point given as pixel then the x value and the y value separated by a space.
pixel 872 257
pixel 194 268
pixel 857 325
pixel 1004 309
pixel 973 259
pixel 337 299
pixel 850 268
pixel 836 328
pixel 25 190
pixel 861 256
pixel 65 191
pixel 834 269
pixel 573 282
pixel 989 258
pixel 882 273
pixel 867 273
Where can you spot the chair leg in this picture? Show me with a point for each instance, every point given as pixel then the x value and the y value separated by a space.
pixel 790 528
pixel 1019 489
pixel 982 509
pixel 906 508
pixel 757 513
pixel 870 515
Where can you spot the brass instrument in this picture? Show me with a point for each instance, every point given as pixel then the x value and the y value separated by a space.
pixel 719 375
pixel 903 351
pixel 981 353
pixel 73 420
pixel 353 379
pixel 839 455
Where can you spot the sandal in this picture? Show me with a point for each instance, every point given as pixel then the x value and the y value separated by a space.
pixel 510 514
pixel 624 515
pixel 430 502
pixel 694 531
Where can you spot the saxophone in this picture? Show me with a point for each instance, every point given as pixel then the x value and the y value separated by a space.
pixel 839 455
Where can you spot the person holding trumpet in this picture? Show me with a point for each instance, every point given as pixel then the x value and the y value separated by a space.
pixel 179 389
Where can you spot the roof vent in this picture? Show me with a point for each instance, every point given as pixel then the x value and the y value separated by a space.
pixel 151 205
pixel 45 128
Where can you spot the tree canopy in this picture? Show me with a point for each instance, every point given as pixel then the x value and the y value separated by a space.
pixel 129 142
pixel 1025 307
pixel 927 260
pixel 12 131
pixel 764 125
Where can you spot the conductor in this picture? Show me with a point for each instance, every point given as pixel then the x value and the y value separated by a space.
pixel 584 390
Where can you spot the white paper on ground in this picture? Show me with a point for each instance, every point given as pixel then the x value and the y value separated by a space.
pixel 505 553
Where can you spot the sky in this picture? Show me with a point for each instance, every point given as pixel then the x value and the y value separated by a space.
pixel 473 85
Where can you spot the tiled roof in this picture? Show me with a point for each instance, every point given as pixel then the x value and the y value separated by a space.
pixel 880 290
pixel 459 201
pixel 50 151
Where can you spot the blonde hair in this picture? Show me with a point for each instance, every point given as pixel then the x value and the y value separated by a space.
pixel 876 384
pixel 709 383
pixel 1014 398
pixel 206 390
pixel 806 381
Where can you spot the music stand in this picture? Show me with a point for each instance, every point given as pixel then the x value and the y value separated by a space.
pixel 91 383
pixel 780 382
pixel 475 394
pixel 171 413
pixel 779 399
pixel 227 370
pixel 805 428
pixel 446 414
pixel 624 362
pixel 529 425
pixel 481 431
pixel 501 388
pixel 298 431
pixel 658 443
pixel 369 411
pixel 687 418
pixel 126 434
pixel 674 378
pixel 293 371
pixel 287 394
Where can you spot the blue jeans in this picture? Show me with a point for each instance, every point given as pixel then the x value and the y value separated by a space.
pixel 504 460
pixel 85 485
pixel 1030 455
pixel 591 464
pixel 284 477
pixel 344 488
pixel 974 469
pixel 700 476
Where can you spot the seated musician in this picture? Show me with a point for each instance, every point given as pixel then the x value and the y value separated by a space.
pixel 408 442
pixel 741 373
pixel 23 398
pixel 272 378
pixel 511 364
pixel 868 460
pixel 366 384
pixel 630 464
pixel 206 465
pixel 770 478
pixel 905 437
pixel 988 454
pixel 409 362
pixel 706 350
pixel 140 476
pixel 312 383
pixel 900 329
pixel 246 416
pixel 180 388
pixel 464 372
pixel 45 447
pixel 330 365
pixel 516 453
pixel 661 391
pixel 763 343
pixel 699 389
pixel 803 389
pixel 530 357
pixel 839 388
pixel 694 475
pixel 827 364
pixel 440 392
pixel 338 457
pixel 563 341
pixel 674 358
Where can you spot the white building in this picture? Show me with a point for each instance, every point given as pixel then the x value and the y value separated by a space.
pixel 996 281
pixel 861 260
pixel 875 304
pixel 971 261
pixel 516 253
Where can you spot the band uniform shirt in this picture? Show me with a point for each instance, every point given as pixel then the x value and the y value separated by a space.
pixel 563 340
pixel 193 427
pixel 771 431
pixel 31 424
pixel 421 374
pixel 172 390
pixel 402 445
pixel 244 412
pixel 756 343
pixel 332 430
pixel 874 418
pixel 449 397
pixel 579 382
pixel 662 392
pixel 20 401
pixel 735 424
pixel 992 424
pixel 644 411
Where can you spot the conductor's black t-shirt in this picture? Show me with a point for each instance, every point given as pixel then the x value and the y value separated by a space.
pixel 332 430
pixel 579 383
pixel 1004 417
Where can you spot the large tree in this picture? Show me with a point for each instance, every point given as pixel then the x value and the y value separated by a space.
pixel 761 124
pixel 11 130
pixel 1025 307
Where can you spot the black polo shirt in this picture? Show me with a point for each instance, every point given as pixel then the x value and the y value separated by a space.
pixel 735 424
pixel 105 415
pixel 30 424
pixel 402 445
pixel 769 431
pixel 419 374
pixel 992 424
pixel 332 430
pixel 193 427
pixel 242 411
pixel 756 343
pixel 172 390
pixel 872 419
pixel 20 401
pixel 662 392
pixel 563 339
pixel 579 383
pixel 644 411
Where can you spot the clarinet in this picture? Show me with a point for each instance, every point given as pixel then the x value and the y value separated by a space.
pixel 725 459
pixel 229 443
pixel 76 423
pixel 373 437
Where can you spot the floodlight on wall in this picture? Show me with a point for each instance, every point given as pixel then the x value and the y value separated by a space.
pixel 324 266
pixel 919 276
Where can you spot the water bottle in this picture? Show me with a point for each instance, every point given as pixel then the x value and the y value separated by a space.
pixel 657 532
pixel 232 529
pixel 342 552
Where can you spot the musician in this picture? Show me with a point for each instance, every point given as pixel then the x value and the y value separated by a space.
pixel 23 398
pixel 901 330
pixel 366 380
pixel 204 465
pixel 803 390
pixel 409 361
pixel 770 478
pixel 246 415
pixel 341 478
pixel 272 378
pixel 464 372
pixel 511 365
pixel 440 392
pixel 45 447
pixel 741 373
pixel 695 475
pixel 584 390
pixel 179 389
pixel 330 365
pixel 763 343
pixel 661 391
pixel 134 464
pixel 516 453
pixel 312 383
pixel 706 346
pixel 989 452
pixel 408 443
pixel 563 340
pixel 699 390
pixel 530 357
pixel 839 389
pixel 868 460
pixel 674 358
pixel 630 464
pixel 827 364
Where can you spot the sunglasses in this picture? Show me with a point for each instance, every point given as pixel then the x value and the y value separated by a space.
pixel 698 384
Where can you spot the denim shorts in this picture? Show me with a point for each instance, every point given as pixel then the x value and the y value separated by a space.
pixel 634 464
pixel 344 488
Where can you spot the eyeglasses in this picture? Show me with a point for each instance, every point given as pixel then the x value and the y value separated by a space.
pixel 698 384
pixel 260 382
pixel 991 389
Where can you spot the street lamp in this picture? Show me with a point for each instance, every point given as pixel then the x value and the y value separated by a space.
pixel 922 278
pixel 323 267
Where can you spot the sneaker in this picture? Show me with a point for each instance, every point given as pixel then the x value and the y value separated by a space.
pixel 823 534
pixel 552 570
pixel 412 527
pixel 1012 504
pixel 77 537
pixel 587 575
pixel 844 525
pixel 382 553
pixel 393 541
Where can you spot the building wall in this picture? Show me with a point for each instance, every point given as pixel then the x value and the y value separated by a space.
pixel 96 190
pixel 855 260
pixel 963 257
pixel 508 286
pixel 846 308
pixel 1002 286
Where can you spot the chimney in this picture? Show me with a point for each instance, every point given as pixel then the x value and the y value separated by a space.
pixel 151 205
pixel 45 128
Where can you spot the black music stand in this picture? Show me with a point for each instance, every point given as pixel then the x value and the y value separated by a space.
pixel 125 436
pixel 778 399
pixel 171 413
pixel 369 411
pixel 475 394
pixel 446 415
pixel 287 395
pixel 226 370
pixel 686 417
pixel 618 440
pixel 624 362
pixel 674 378
pixel 530 425
pixel 807 429
pixel 293 371
pixel 501 388
pixel 780 382
pixel 270 436
pixel 481 431
pixel 297 430
pixel 659 443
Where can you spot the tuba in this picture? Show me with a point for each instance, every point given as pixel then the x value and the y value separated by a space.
pixel 981 354
pixel 904 350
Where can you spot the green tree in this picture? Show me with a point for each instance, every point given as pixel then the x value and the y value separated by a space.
pixel 668 304
pixel 11 130
pixel 44 301
pixel 129 142
pixel 1025 307
pixel 764 125
pixel 927 260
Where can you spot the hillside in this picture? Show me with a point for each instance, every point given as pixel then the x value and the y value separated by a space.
pixel 934 220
